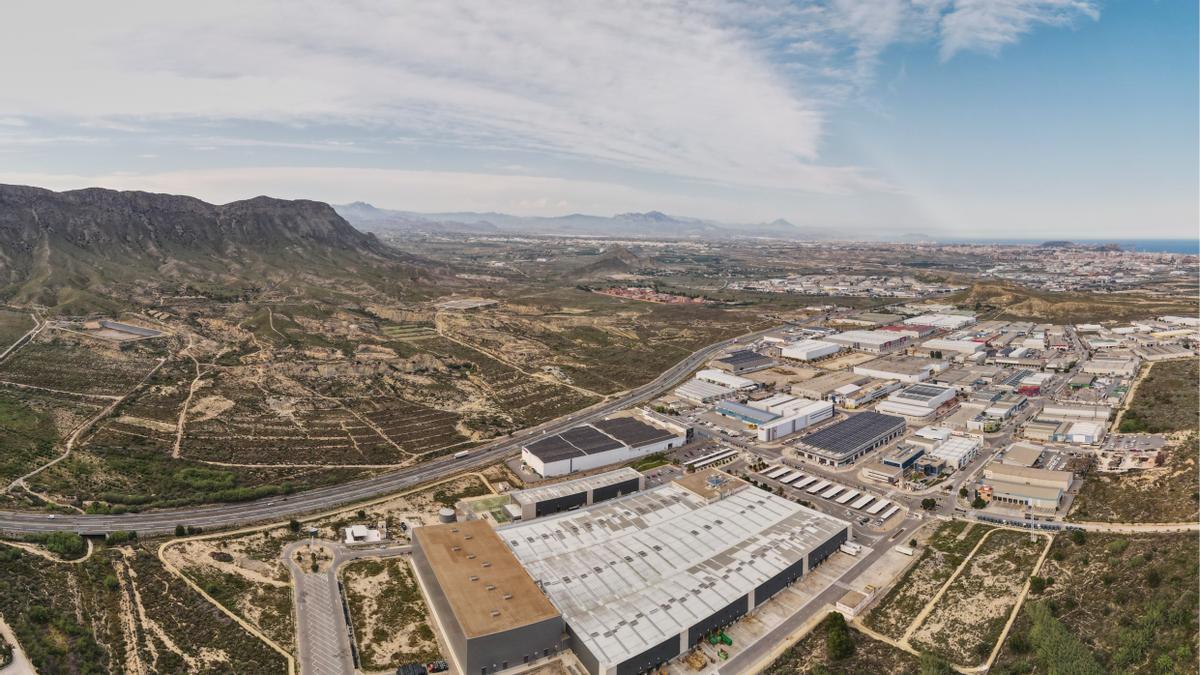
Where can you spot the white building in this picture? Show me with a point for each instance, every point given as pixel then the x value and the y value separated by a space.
pixel 716 376
pixel 808 350
pixel 908 369
pixel 917 402
pixel 699 391
pixel 951 348
pixel 943 321
pixel 872 341
pixel 799 419
pixel 590 446
pixel 958 450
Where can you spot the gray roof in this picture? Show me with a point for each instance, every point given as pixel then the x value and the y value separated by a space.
pixel 854 433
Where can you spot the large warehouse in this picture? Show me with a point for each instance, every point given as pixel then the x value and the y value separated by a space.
pixel 872 341
pixel 642 579
pixel 842 443
pixel 908 369
pixel 1026 487
pixel 590 446
pixel 797 419
pixel 545 500
pixel 918 402
pixel 491 612
pixel 809 350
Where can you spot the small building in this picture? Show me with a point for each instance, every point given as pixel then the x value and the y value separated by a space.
pixel 361 534
pixel 958 450
pixel 878 471
pixel 718 376
pixel 825 387
pixel 902 457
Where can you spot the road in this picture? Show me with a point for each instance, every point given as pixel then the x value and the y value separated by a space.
pixel 323 644
pixel 748 659
pixel 325 498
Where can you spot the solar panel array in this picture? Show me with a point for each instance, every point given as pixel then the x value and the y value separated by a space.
pixel 587 439
pixel 854 433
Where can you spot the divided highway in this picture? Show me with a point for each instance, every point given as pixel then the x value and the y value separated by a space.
pixel 325 498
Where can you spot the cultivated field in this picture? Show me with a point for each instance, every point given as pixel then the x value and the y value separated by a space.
pixel 942 554
pixel 390 620
pixel 1111 603
pixel 967 620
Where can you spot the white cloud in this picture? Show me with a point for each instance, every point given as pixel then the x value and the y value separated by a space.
pixel 989 25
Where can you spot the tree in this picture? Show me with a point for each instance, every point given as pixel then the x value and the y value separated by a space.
pixel 838 643
pixel 66 544
pixel 978 503
pixel 962 492
pixel 912 543
pixel 1038 584
pixel 180 530
pixel 929 503
pixel 294 525
pixel 1078 537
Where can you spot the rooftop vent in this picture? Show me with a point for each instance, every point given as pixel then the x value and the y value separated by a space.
pixel 495 613
pixel 487 564
pixel 508 596
pixel 474 578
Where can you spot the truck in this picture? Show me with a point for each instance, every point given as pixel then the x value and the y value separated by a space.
pixel 851 548
pixel 906 550
pixel 461 453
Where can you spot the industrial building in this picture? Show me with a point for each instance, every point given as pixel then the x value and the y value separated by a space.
pixel 746 414
pixel 809 350
pixel 1022 454
pixel 547 500
pixel 871 341
pixel 492 614
pixel 902 457
pixel 743 361
pixel 644 578
pixel 796 419
pixel 942 321
pixel 946 348
pixel 825 387
pixel 717 376
pixel 1025 487
pixel 842 443
pixel 958 450
pixel 703 392
pixel 1126 366
pixel 853 396
pixel 590 446
pixel 918 401
pixel 908 369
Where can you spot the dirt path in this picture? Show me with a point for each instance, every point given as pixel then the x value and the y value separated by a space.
pixel 928 608
pixel 1012 617
pixel 537 376
pixel 20 664
pixel 30 548
pixel 38 326
pixel 187 402
pixel 1141 376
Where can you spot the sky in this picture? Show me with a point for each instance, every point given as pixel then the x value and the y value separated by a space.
pixel 965 118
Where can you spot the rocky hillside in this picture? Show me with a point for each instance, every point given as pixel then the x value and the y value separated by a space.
pixel 61 247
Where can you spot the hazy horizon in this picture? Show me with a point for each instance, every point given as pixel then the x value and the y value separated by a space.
pixel 1076 118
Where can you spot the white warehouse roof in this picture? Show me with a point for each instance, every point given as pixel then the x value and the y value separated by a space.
pixel 699 390
pixel 630 573
pixel 725 379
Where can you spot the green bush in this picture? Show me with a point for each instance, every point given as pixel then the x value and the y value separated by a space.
pixel 66 544
pixel 838 643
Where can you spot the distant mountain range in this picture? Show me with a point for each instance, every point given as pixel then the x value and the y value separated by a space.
pixel 653 224
pixel 83 246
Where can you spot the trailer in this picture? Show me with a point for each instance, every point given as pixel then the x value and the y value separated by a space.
pixel 905 550
pixel 806 482
pixel 829 494
pixel 879 506
pixel 818 487
pixel 890 512
pixel 790 477
pixel 845 499
pixel 866 499
pixel 713 458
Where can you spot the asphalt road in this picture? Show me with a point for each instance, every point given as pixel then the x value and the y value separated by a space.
pixel 322 637
pixel 321 499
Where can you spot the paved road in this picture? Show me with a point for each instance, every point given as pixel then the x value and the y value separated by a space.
pixel 322 637
pixel 319 499
pixel 323 643
pixel 746 660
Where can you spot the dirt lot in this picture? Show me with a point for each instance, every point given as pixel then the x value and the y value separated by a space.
pixel 966 621
pixel 391 622
pixel 942 553
pixel 810 655
pixel 1115 603
pixel 1166 494
pixel 1166 400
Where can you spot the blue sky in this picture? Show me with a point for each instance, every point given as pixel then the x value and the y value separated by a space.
pixel 1013 118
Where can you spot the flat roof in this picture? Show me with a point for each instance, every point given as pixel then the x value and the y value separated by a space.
pixel 632 572
pixel 487 588
pixel 853 433
pixel 747 412
pixel 1005 487
pixel 1023 454
pixel 921 392
pixel 905 365
pixel 574 486
pixel 744 357
pixel 700 389
pixel 1013 473
pixel 824 384
pixel 578 441
pixel 633 432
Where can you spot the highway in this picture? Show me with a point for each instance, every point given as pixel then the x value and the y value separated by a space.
pixel 325 498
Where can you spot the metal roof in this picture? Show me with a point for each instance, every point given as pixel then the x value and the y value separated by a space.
pixel 632 432
pixel 569 487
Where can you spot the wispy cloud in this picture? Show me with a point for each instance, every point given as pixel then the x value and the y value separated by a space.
pixel 734 92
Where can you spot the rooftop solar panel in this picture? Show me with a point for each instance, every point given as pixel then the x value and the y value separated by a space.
pixel 589 440
pixel 632 432
pixel 553 448
pixel 853 433
pixel 743 357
